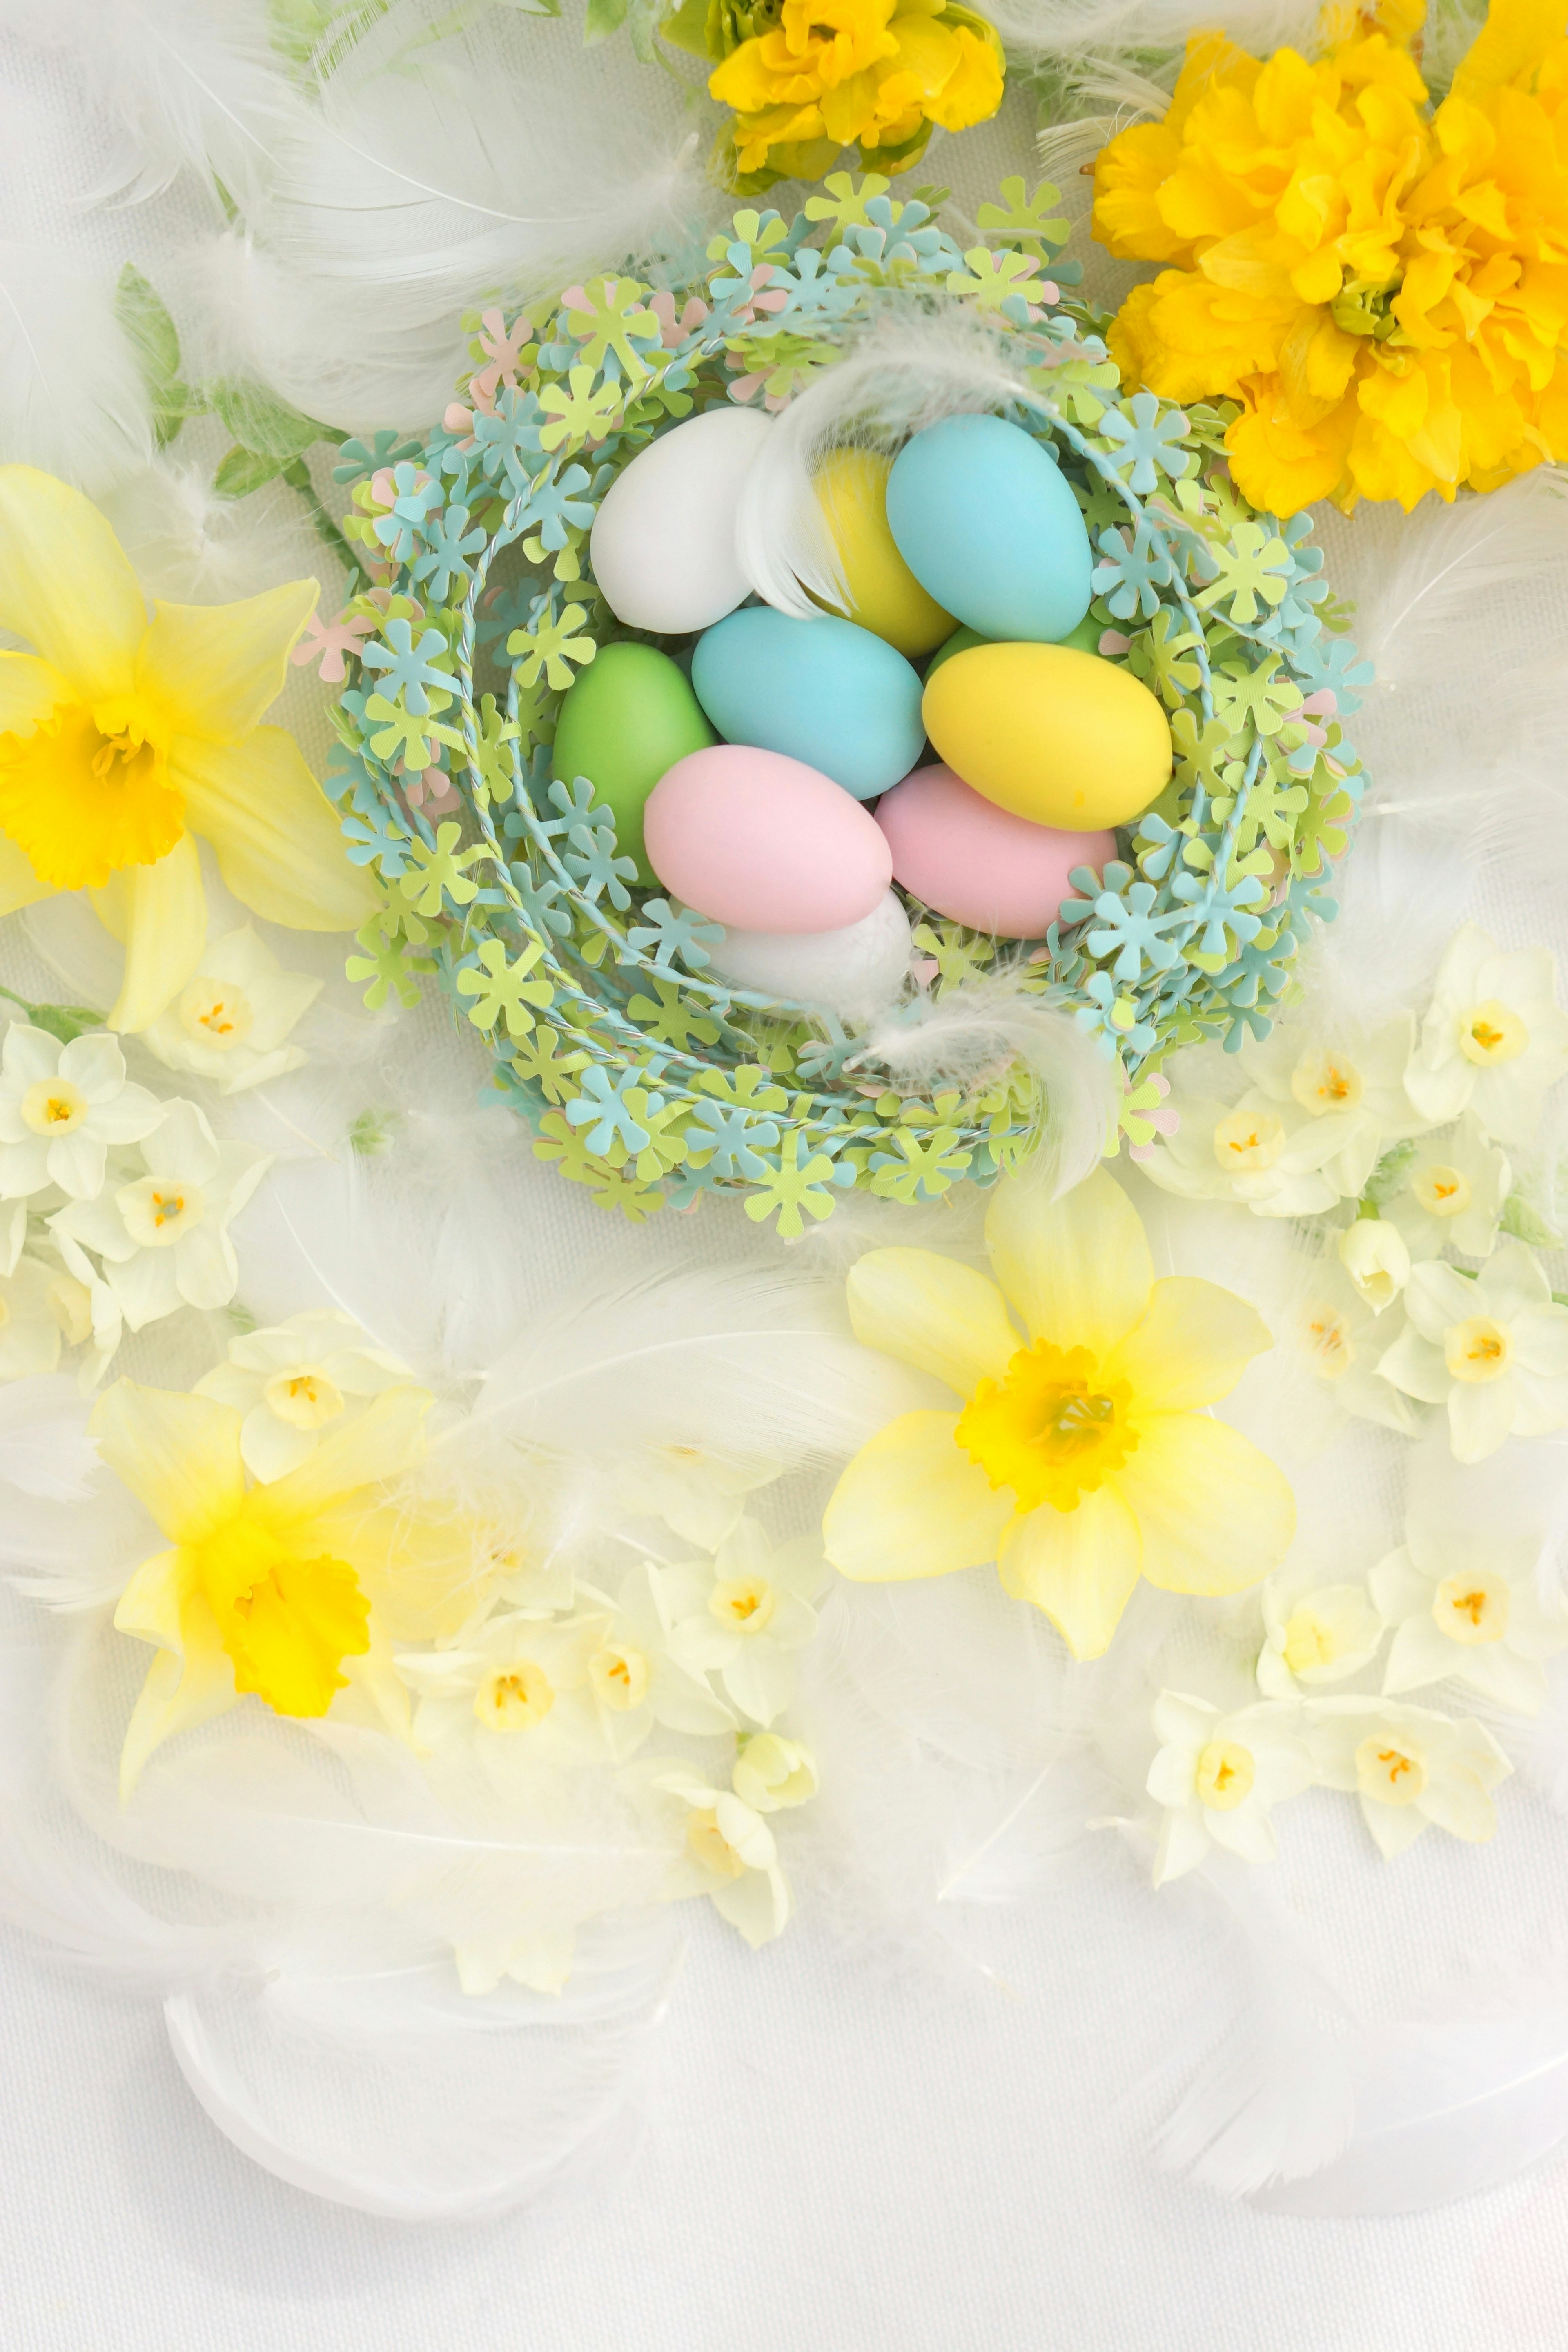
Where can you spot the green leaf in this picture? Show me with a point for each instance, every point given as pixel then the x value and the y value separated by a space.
pixel 64 1021
pixel 1527 1224
pixel 155 345
pixel 603 18
pixel 243 471
pixel 686 27
pixel 266 426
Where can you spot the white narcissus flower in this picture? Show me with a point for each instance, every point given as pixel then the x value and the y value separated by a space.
pixel 1373 1254
pixel 741 1615
pixel 541 1961
pixel 230 1021
pixel 698 1493
pixel 29 1328
pixel 1265 1156
pixel 1464 1609
pixel 1493 1349
pixel 1409 1767
pixel 1352 1088
pixel 729 1854
pixel 771 1774
pixel 1494 1039
pixel 520 1681
pixel 1314 1633
pixel 295 1381
pixel 1217 1775
pixel 1454 1193
pixel 163 1237
pixel 61 1108
pixel 634 1680
pixel 1342 1342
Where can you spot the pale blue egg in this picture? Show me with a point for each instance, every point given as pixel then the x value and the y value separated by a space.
pixel 988 526
pixel 823 692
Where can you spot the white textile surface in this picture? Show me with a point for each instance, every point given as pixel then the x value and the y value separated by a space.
pixel 833 2153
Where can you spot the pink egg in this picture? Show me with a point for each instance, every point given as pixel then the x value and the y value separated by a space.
pixel 763 842
pixel 978 863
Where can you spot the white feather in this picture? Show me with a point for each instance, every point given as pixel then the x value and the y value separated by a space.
pixel 72 401
pixel 1066 28
pixel 191 547
pixel 43 1447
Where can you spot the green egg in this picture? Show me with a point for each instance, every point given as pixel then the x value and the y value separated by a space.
pixel 1085 638
pixel 625 719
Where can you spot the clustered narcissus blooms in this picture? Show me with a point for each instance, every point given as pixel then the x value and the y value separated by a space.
pixel 808 77
pixel 1081 1457
pixel 123 737
pixel 1380 286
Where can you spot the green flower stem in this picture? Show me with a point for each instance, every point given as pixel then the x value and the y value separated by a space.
pixel 296 475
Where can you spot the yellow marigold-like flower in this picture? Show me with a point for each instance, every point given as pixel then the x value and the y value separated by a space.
pixel 876 74
pixel 1082 1458
pixel 1385 291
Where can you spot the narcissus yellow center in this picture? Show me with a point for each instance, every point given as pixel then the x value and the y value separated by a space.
pixel 1329 1343
pixel 1248 1141
pixel 287 1623
pixel 743 1604
pixel 1325 1082
pixel 158 1210
pixel 1053 1429
pixel 1225 1775
pixel 1310 1641
pixel 1387 1773
pixel 711 1847
pixel 305 1398
pixel 515 1698
pixel 1441 1192
pixel 619 1678
pixel 53 1107
pixel 216 1012
pixel 1491 1033
pixel 89 792
pixel 1477 1350
pixel 1471 1609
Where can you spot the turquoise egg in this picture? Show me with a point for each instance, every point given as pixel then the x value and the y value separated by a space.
pixel 988 526
pixel 823 692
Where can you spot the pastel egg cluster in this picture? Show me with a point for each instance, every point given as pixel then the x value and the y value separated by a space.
pixel 952 729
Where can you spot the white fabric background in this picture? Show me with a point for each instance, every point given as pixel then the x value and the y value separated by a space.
pixel 835 2150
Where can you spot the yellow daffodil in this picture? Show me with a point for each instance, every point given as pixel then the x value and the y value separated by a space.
pixel 1082 1458
pixel 876 74
pixel 121 738
pixel 1382 289
pixel 261 1590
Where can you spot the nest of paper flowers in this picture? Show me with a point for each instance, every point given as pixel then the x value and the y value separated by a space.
pixel 641 1073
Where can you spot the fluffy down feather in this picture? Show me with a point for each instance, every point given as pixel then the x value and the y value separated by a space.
pixel 72 401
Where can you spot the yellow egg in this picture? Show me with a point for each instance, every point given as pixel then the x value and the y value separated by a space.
pixel 1051 733
pixel 884 594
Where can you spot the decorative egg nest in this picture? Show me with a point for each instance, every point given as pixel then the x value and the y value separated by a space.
pixel 640 1073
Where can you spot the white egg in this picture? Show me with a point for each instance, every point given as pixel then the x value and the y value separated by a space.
pixel 663 541
pixel 852 972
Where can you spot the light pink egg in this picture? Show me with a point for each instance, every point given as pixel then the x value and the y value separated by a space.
pixel 980 864
pixel 763 842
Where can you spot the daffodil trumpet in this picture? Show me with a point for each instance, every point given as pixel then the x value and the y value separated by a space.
pixel 124 738
pixel 1082 1457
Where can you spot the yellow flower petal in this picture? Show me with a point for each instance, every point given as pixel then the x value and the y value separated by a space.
pixel 1215 1515
pixel 910 1504
pixel 277 839
pixel 933 1313
pixel 20 886
pixel 191 1680
pixel 161 913
pixel 178 1454
pixel 1190 1348
pixel 214 669
pixel 1517 34
pixel 382 1441
pixel 65 583
pixel 1078 1269
pixel 1079 1566
pixel 29 690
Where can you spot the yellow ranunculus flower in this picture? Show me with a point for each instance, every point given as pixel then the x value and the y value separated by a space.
pixel 262 1589
pixel 1383 290
pixel 1081 1459
pixel 123 737
pixel 869 73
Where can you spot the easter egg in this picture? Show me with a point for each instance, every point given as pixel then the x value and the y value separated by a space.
pixel 988 526
pixel 1056 735
pixel 625 719
pixel 980 864
pixel 764 843
pixel 663 541
pixel 959 643
pixel 823 691
pixel 884 594
pixel 852 973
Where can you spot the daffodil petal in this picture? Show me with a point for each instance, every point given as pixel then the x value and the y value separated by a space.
pixel 163 909
pixel 277 839
pixel 178 1454
pixel 1215 1515
pixel 1081 1566
pixel 29 690
pixel 66 585
pixel 384 1440
pixel 19 885
pixel 1078 1269
pixel 191 1677
pixel 912 1504
pixel 215 669
pixel 1191 1347
pixel 933 1313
